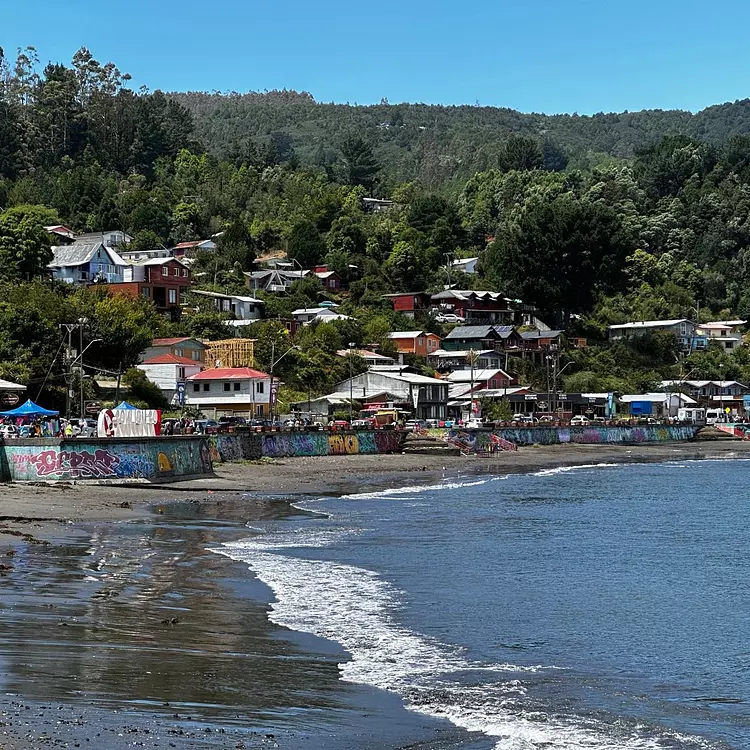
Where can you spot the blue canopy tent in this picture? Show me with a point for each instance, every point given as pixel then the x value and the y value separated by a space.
pixel 29 409
pixel 125 405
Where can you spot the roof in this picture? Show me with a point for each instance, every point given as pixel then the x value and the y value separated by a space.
pixel 161 261
pixel 171 359
pixel 61 229
pixel 7 385
pixel 464 261
pixel 79 253
pixel 172 342
pixel 193 243
pixel 471 332
pixel 365 353
pixel 218 295
pixel 229 373
pixel 100 235
pixel 656 398
pixel 729 323
pixel 462 354
pixel 409 334
pixel 532 335
pixel 465 376
pixel 701 383
pixel 325 274
pixel 648 324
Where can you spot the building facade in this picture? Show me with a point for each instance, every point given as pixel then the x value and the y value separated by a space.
pixel 230 391
pixel 170 372
pixel 420 343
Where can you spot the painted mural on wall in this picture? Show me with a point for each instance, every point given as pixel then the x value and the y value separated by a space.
pixel 153 458
pixel 280 444
pixel 479 440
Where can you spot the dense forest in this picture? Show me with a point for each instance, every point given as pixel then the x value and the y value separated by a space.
pixel 594 220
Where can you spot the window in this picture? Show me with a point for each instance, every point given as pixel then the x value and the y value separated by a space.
pixel 146 291
pixel 196 387
pixel 207 386
pixel 176 272
pixel 165 270
pixel 196 355
pixel 181 373
pixel 172 296
pixel 259 387
pixel 420 341
pixel 84 275
pixel 730 344
pixel 185 272
pixel 332 283
pixel 227 386
pixel 236 386
pixel 179 352
pixel 258 410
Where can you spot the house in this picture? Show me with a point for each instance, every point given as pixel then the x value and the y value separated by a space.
pixel 409 303
pixel 372 359
pixel 420 343
pixel 726 333
pixel 477 307
pixel 133 256
pixel 169 372
pixel 712 394
pixel 181 347
pixel 467 265
pixel 541 340
pixel 330 279
pixel 424 397
pixel 682 328
pixel 492 379
pixel 237 352
pixel 109 238
pixel 86 263
pixel 307 315
pixel 60 234
pixel 273 279
pixel 192 248
pixel 482 338
pixel 162 280
pixel 243 308
pixel 446 361
pixel 375 205
pixel 656 404
pixel 230 391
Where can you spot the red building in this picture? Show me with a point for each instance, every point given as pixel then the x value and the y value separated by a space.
pixel 409 303
pixel 162 280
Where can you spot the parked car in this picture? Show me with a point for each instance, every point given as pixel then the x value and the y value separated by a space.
pixel 232 421
pixel 362 423
pixel 474 424
pixel 449 318
pixel 207 426
pixel 414 424
pixel 580 421
pixel 340 423
pixel 434 423
pixel 525 419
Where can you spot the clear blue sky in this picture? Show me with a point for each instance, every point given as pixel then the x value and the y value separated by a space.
pixel 533 55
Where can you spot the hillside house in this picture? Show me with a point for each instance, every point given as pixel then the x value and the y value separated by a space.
pixel 86 263
pixel 273 279
pixel 420 343
pixel 476 307
pixel 726 333
pixel 409 303
pixel 467 265
pixel 683 329
pixel 447 361
pixel 230 391
pixel 169 372
pixel 243 308
pixel 482 338
pixel 193 248
pixel 329 279
pixel 109 238
pixel 182 347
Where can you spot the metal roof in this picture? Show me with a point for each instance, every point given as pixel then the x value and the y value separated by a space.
pixel 79 253
pixel 470 332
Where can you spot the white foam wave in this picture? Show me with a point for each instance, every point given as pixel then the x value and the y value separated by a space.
pixel 566 469
pixel 417 489
pixel 357 609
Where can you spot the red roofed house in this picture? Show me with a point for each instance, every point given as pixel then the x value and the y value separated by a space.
pixel 329 279
pixel 169 372
pixel 181 347
pixel 230 391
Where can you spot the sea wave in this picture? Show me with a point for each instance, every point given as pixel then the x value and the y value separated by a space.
pixel 419 489
pixel 358 609
pixel 565 469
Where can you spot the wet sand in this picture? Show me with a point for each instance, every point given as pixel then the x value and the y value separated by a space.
pixel 120 629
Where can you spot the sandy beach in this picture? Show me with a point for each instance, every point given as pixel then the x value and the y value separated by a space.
pixel 121 628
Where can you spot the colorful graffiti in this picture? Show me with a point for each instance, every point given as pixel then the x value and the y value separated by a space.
pixel 137 458
pixel 479 440
pixel 341 445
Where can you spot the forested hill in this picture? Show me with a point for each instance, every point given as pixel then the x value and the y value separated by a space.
pixel 438 144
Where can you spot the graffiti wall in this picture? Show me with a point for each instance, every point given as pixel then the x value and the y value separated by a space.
pixel 156 459
pixel 479 440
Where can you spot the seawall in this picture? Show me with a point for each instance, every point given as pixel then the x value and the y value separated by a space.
pixel 590 435
pixel 155 459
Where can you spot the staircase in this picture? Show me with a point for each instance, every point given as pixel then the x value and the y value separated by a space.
pixel 420 443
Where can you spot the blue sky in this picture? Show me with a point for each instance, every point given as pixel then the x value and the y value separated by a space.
pixel 580 56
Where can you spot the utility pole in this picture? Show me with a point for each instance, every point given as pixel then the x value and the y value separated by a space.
pixel 351 384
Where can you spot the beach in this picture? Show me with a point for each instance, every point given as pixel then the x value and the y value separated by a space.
pixel 122 629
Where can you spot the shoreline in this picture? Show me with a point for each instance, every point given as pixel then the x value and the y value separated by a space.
pixel 210 596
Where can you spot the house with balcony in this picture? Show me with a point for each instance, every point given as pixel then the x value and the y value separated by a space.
pixel 409 303
pixel 330 280
pixel 230 391
pixel 87 263
pixel 109 238
pixel 478 308
pixel 420 343
pixel 447 361
pixel 542 340
pixel 711 394
pixel 725 333
pixel 161 280
pixel 483 338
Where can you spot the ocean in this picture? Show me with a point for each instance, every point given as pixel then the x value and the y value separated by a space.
pixel 602 607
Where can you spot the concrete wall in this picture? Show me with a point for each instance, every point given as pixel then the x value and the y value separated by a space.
pixel 251 446
pixel 157 459
pixel 593 435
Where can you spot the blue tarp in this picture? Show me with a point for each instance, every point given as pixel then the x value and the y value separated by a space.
pixel 125 405
pixel 29 409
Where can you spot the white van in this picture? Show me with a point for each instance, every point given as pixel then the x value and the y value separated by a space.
pixel 692 415
pixel 714 415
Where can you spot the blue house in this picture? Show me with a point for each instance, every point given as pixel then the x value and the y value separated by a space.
pixel 87 263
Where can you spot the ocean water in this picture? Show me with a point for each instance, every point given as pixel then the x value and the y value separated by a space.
pixel 602 607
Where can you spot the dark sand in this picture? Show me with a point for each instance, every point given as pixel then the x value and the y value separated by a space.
pixel 119 628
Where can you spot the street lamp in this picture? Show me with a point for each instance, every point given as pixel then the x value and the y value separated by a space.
pixel 351 384
pixel 275 362
pixel 555 375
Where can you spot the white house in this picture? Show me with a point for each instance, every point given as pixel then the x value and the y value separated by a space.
pixel 87 262
pixel 243 308
pixel 307 315
pixel 467 265
pixel 134 256
pixel 727 333
pixel 197 246
pixel 230 391
pixel 169 372
pixel 109 238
